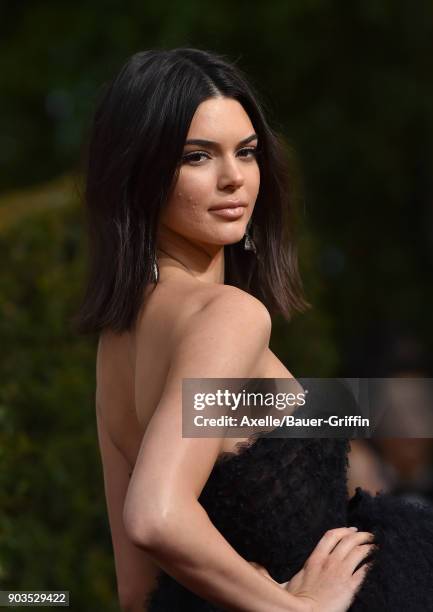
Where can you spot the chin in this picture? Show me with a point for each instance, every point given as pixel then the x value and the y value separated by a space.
pixel 228 235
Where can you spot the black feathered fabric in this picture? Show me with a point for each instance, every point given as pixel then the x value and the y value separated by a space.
pixel 274 499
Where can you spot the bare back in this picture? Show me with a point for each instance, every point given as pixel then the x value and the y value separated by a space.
pixel 132 367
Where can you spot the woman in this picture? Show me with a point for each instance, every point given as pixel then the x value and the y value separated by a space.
pixel 191 253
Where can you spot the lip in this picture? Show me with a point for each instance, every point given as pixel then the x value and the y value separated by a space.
pixel 234 212
pixel 228 204
pixel 229 209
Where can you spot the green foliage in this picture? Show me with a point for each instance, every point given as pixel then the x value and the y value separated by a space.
pixel 53 524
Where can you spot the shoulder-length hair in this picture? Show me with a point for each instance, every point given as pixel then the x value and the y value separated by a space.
pixel 132 161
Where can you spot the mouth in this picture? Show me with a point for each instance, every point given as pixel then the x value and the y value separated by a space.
pixel 229 205
pixel 229 210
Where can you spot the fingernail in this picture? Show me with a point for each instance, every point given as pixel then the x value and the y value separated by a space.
pixel 354 528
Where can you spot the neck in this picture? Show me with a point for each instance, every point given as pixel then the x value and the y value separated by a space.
pixel 179 256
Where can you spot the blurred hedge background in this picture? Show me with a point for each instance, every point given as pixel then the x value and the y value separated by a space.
pixel 348 84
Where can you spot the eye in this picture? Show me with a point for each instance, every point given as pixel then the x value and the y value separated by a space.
pixel 194 157
pixel 250 152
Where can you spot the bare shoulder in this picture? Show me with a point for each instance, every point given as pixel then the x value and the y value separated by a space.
pixel 202 329
pixel 224 309
pixel 179 306
pixel 227 337
pixel 232 306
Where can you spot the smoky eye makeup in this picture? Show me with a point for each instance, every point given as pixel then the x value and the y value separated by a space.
pixel 254 150
pixel 194 157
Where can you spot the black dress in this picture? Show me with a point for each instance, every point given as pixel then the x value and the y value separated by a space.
pixel 274 500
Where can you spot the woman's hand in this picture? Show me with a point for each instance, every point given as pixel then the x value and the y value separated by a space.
pixel 327 583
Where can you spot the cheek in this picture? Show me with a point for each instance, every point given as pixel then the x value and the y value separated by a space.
pixel 190 198
pixel 254 179
pixel 195 184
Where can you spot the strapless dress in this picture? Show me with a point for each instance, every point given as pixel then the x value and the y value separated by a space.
pixel 274 499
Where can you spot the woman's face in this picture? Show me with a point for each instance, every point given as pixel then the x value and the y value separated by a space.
pixel 221 171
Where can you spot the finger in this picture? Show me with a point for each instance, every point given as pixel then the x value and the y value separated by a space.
pixel 359 576
pixel 329 540
pixel 350 541
pixel 358 554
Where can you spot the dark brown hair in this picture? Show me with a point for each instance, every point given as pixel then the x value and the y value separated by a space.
pixel 133 156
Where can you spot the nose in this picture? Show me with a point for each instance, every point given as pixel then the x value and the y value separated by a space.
pixel 230 174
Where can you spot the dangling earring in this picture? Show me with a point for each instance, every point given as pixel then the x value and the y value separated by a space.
pixel 155 271
pixel 249 242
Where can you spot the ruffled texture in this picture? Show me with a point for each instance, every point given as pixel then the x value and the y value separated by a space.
pixel 401 578
pixel 275 498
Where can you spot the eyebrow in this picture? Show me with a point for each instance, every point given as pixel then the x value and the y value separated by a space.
pixel 212 143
